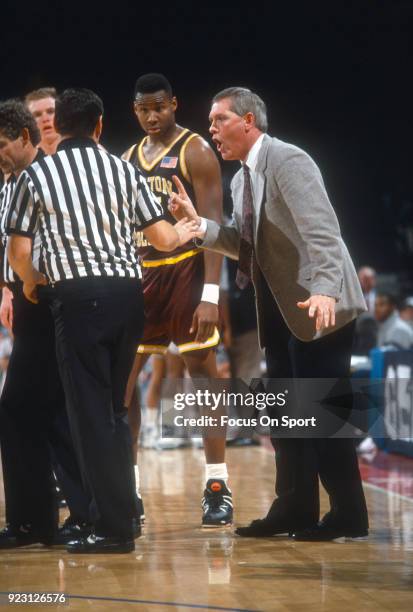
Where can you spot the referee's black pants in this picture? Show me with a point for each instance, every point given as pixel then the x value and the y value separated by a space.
pixel 98 322
pixel 301 462
pixel 34 429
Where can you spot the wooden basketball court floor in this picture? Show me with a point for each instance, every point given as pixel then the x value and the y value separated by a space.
pixel 178 566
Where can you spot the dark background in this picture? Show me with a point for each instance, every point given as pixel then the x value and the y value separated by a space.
pixel 335 76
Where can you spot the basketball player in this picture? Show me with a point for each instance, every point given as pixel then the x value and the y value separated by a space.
pixel 180 290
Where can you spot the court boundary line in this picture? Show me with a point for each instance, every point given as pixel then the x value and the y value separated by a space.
pixel 389 493
pixel 145 601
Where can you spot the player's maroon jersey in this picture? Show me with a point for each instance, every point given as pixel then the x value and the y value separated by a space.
pixel 159 174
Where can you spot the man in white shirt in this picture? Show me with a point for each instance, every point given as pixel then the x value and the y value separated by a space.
pixel 287 240
pixel 367 278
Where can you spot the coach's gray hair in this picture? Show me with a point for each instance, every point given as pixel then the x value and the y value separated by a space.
pixel 244 101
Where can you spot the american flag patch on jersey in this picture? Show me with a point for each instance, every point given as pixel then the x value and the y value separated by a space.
pixel 169 162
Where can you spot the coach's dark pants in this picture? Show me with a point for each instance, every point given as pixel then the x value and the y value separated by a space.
pixel 301 462
pixel 34 428
pixel 97 323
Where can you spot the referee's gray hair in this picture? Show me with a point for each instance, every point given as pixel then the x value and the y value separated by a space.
pixel 245 101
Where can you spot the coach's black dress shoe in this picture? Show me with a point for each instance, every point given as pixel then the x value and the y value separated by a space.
pixel 327 533
pixel 23 535
pixel 95 544
pixel 274 525
pixel 262 528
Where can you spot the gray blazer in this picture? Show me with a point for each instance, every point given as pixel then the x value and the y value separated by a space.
pixel 297 240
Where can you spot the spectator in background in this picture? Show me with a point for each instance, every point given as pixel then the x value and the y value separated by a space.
pixel 392 330
pixel 406 311
pixel 41 104
pixel 241 340
pixel 245 353
pixel 368 280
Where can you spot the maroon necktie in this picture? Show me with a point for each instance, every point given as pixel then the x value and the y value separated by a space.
pixel 246 247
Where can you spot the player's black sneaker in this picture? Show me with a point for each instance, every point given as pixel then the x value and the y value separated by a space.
pixel 217 504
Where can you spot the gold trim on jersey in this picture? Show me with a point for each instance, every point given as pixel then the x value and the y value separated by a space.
pixel 154 263
pixel 152 349
pixel 159 349
pixel 127 155
pixel 182 161
pixel 197 346
pixel 150 166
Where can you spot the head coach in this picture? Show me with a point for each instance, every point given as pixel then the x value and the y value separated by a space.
pixel 85 204
pixel 287 240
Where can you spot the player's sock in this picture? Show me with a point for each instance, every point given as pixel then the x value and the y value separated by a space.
pixel 151 416
pixel 216 470
pixel 150 428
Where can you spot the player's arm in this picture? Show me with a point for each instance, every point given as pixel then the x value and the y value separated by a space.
pixel 205 175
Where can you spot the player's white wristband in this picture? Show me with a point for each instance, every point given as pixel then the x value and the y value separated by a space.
pixel 210 293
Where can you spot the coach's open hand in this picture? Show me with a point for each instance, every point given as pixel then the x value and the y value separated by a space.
pixel 187 229
pixel 323 307
pixel 180 204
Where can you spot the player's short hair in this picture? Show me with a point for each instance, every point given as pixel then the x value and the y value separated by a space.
pixel 14 117
pixel 245 101
pixel 77 112
pixel 40 94
pixel 152 82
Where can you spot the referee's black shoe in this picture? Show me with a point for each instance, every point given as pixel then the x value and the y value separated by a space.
pixel 23 535
pixel 95 544
pixel 217 504
pixel 71 530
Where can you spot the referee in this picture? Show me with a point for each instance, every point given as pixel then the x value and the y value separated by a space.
pixel 34 428
pixel 85 204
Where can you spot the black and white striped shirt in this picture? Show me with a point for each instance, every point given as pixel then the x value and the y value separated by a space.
pixel 5 199
pixel 86 205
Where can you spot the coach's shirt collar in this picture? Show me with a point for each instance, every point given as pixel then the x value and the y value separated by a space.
pixel 252 156
pixel 76 143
